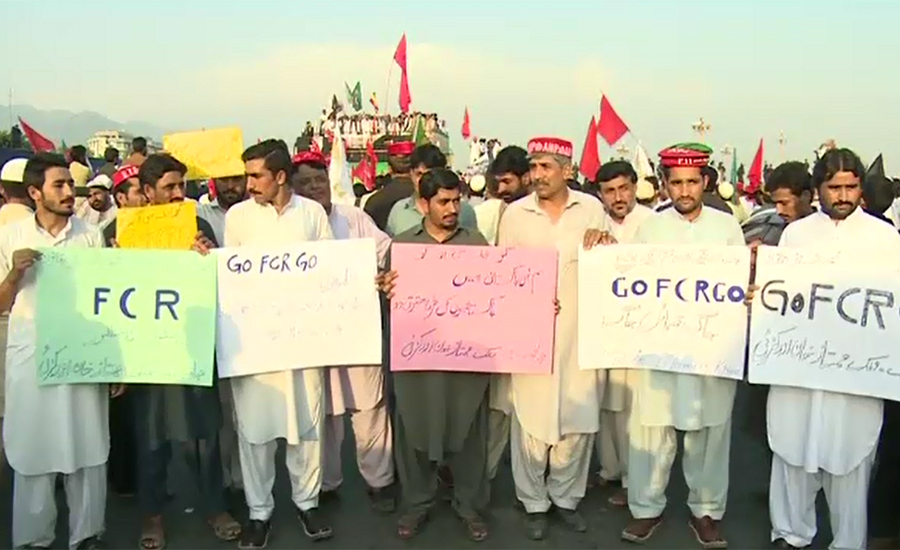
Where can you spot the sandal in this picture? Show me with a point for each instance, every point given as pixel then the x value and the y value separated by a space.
pixel 225 527
pixel 476 527
pixel 410 523
pixel 153 536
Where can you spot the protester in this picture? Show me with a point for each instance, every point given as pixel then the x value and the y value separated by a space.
pixel 138 152
pixel 355 391
pixel 18 205
pixel 99 210
pixel 617 182
pixel 555 415
pixel 406 213
pixel 110 162
pixel 507 182
pixel 664 402
pixel 441 417
pixel 79 166
pixel 815 446
pixel 59 429
pixel 399 187
pixel 276 216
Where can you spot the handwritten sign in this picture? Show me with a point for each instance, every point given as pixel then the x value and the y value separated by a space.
pixel 133 316
pixel 208 153
pixel 473 309
pixel 677 309
pixel 308 305
pixel 170 226
pixel 828 320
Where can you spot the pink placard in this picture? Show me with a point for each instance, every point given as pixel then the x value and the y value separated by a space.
pixel 473 309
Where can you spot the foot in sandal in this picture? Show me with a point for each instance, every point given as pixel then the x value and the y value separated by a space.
pixel 153 536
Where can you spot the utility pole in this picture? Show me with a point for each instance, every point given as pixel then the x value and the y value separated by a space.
pixel 701 127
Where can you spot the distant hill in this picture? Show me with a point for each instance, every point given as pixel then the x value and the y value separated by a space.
pixel 76 128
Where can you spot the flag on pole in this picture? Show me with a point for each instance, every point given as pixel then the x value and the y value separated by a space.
pixel 420 136
pixel 365 170
pixel 339 171
pixel 466 125
pixel 354 96
pixel 734 167
pixel 590 154
pixel 374 101
pixel 642 163
pixel 755 175
pixel 610 127
pixel 400 59
pixel 39 144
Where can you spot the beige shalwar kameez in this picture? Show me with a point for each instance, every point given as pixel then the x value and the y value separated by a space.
pixel 556 415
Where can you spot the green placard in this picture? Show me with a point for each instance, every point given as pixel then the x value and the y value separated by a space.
pixel 132 316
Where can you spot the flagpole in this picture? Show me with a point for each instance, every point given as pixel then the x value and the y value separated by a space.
pixel 387 88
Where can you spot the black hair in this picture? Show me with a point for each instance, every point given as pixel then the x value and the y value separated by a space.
pixel 834 161
pixel 510 160
pixel 79 153
pixel 139 145
pixel 156 166
pixel 435 180
pixel 616 169
pixel 428 155
pixel 37 166
pixel 123 188
pixel 793 176
pixel 111 154
pixel 15 190
pixel 712 176
pixel 399 164
pixel 275 154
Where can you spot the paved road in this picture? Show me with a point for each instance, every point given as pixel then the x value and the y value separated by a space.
pixel 356 526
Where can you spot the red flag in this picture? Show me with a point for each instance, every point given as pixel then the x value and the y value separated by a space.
pixel 400 53
pixel 39 144
pixel 755 175
pixel 590 155
pixel 365 170
pixel 400 59
pixel 611 127
pixel 405 97
pixel 466 127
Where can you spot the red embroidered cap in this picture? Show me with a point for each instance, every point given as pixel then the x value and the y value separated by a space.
pixel 550 146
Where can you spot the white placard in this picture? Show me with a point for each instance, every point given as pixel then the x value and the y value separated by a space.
pixel 828 320
pixel 677 309
pixel 293 307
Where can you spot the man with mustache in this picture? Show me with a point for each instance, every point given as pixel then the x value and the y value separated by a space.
pixel 441 416
pixel 398 187
pixel 355 391
pixel 663 402
pixel 50 430
pixel 825 440
pixel 185 417
pixel 617 181
pixel 99 208
pixel 790 189
pixel 507 182
pixel 555 416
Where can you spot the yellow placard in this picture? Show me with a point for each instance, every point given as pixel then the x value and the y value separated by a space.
pixel 169 226
pixel 208 153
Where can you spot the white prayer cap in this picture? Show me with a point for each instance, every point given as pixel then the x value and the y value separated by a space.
pixel 102 181
pixel 726 190
pixel 477 183
pixel 645 190
pixel 13 170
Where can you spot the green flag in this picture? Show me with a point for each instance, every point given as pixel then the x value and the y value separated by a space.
pixel 419 135
pixel 734 179
pixel 354 96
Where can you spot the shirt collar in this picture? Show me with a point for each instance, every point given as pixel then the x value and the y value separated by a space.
pixel 63 235
pixel 420 229
pixel 676 214
pixel 532 204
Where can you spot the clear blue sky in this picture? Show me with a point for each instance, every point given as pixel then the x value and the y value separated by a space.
pixel 814 69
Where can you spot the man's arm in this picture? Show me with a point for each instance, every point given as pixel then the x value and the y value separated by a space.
pixel 207 230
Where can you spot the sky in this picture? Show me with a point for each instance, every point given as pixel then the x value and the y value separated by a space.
pixel 813 70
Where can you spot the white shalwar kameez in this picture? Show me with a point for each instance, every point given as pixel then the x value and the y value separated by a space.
pixel 558 414
pixel 358 390
pixel 286 405
pixel 51 430
pixel 612 439
pixel 664 402
pixel 820 439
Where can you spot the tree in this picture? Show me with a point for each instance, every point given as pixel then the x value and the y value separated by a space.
pixel 6 140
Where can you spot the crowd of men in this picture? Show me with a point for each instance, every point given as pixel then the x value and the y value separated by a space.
pixel 418 428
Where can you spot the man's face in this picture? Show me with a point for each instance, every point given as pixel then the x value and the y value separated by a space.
pixel 685 187
pixel 57 194
pixel 511 187
pixel 548 176
pixel 169 188
pixel 132 197
pixel 618 196
pixel 230 191
pixel 840 195
pixel 262 185
pixel 443 209
pixel 98 198
pixel 416 174
pixel 789 206
pixel 312 182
